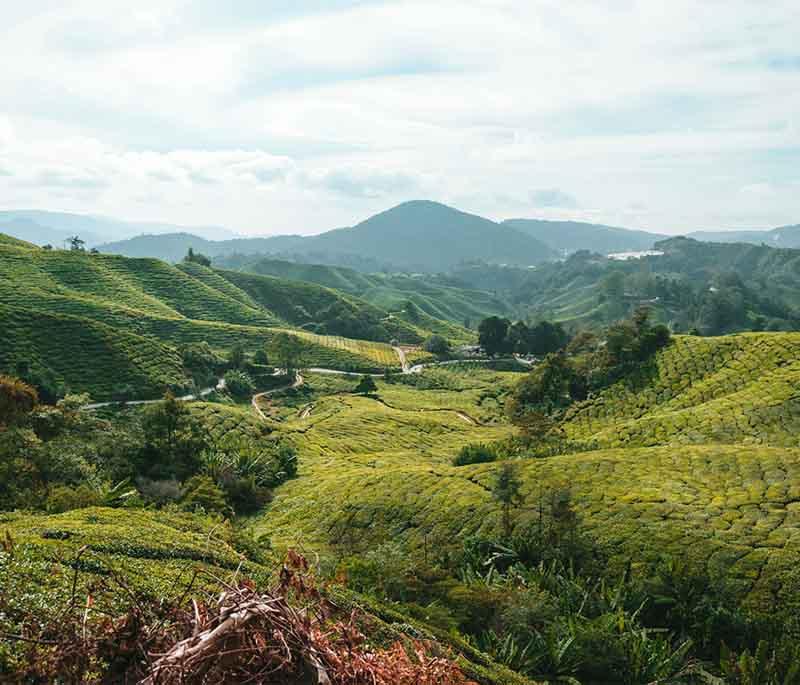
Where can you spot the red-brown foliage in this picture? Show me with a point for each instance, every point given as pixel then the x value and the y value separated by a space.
pixel 286 634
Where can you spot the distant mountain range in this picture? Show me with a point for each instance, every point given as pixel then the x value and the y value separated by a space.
pixel 785 236
pixel 414 236
pixel 53 228
pixel 417 236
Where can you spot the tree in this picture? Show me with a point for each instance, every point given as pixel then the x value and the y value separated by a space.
pixel 260 357
pixel 437 345
pixel 506 492
pixel 239 384
pixel 288 350
pixel 544 389
pixel 546 337
pixel 17 399
pixel 492 334
pixel 174 439
pixel 366 386
pixel 193 257
pixel 236 357
pixel 76 244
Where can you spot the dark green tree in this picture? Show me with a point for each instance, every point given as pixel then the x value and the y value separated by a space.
pixel 76 244
pixel 193 257
pixel 366 386
pixel 493 335
pixel 288 351
pixel 506 491
pixel 174 440
pixel 437 345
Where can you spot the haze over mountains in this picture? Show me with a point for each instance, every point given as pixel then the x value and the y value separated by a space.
pixel 416 236
pixel 41 228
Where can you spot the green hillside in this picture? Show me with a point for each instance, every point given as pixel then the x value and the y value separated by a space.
pixel 86 355
pixel 737 389
pixel 438 297
pixel 697 455
pixel 124 319
pixel 715 288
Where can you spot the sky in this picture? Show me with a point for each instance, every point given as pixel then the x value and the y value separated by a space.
pixel 289 116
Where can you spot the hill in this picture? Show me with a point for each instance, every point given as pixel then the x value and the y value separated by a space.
pixel 698 457
pixel 784 236
pixel 414 236
pixel 438 297
pixel 100 321
pixel 428 236
pixel 571 236
pixel 713 287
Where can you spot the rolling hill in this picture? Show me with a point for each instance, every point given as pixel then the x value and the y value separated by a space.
pixel 414 236
pixel 698 456
pixel 122 319
pixel 570 236
pixel 438 297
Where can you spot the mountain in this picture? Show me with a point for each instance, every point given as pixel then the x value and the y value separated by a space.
pixel 784 236
pixel 415 236
pixel 570 236
pixel 428 236
pixel 54 228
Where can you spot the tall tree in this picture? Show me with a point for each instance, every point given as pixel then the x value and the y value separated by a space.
pixel 506 492
pixel 76 244
pixel 288 351
pixel 493 335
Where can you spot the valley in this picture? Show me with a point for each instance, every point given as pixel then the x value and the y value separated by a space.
pixel 176 424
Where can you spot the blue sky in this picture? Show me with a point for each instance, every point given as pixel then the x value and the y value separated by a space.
pixel 271 116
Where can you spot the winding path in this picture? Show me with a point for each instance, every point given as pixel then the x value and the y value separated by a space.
pixel 405 367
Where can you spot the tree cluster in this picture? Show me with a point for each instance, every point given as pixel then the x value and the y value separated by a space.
pixel 499 336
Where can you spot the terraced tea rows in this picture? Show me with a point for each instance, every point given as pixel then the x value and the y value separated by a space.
pixel 87 356
pixel 732 389
pixel 155 307
pixel 380 469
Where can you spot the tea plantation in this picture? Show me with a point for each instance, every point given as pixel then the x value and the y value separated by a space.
pixel 122 319
pixel 381 467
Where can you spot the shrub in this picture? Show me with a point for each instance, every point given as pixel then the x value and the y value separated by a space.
pixel 239 384
pixel 437 345
pixel 64 498
pixel 477 453
pixel 366 386
pixel 203 493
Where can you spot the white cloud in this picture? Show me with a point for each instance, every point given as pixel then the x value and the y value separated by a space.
pixel 303 116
